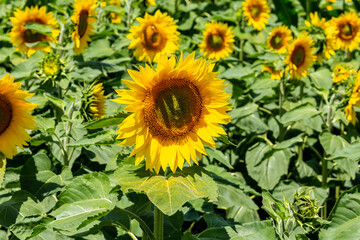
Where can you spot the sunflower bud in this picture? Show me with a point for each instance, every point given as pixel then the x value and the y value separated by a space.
pixel 93 102
pixel 51 67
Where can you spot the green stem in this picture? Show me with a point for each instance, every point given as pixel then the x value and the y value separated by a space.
pixel 308 6
pixel 158 224
pixel 281 99
pixel 324 172
pixel 329 115
pixel 242 41
pixel 143 225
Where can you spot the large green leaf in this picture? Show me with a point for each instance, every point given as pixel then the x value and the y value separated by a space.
pixel 302 112
pixel 253 231
pixel 322 78
pixel 106 137
pixel 266 166
pixel 169 192
pixel 106 121
pixel 37 177
pixel 238 205
pixel 345 218
pixel 86 198
pixel 332 143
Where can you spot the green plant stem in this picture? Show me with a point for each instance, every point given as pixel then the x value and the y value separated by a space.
pixel 329 115
pixel 308 6
pixel 242 41
pixel 324 172
pixel 158 224
pixel 128 22
pixel 67 133
pixel 143 225
pixel 281 99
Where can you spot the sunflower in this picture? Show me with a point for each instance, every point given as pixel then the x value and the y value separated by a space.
pixel 175 111
pixel 300 56
pixel 274 74
pixel 151 2
pixel 256 12
pixel 218 41
pixel 316 21
pixel 353 101
pixel 347 34
pixel 341 73
pixel 154 36
pixel 97 106
pixel 279 38
pixel 114 17
pixel 14 116
pixel 83 17
pixel 93 102
pixel 20 36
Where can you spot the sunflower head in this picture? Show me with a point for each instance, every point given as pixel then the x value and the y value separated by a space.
pixel 218 41
pixel 300 56
pixel 175 111
pixel 315 21
pixel 51 66
pixel 279 38
pixel 25 39
pixel 114 17
pixel 275 74
pixel 84 16
pixel 256 12
pixel 14 116
pixel 354 101
pixel 93 102
pixel 156 35
pixel 342 73
pixel 347 33
pixel 151 2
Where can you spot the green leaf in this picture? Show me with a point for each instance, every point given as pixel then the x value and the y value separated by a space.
pixel 98 49
pixel 238 205
pixel 85 198
pixel 218 155
pixel 345 218
pixel 106 121
pixel 244 111
pixel 301 112
pixel 267 166
pixel 40 28
pixel 322 78
pixel 107 137
pixel 253 231
pixel 238 72
pixel 37 178
pixel 170 192
pixel 332 143
pixel 45 124
pixel 56 101
pixel 352 151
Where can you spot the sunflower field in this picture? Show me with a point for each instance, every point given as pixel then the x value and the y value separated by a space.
pixel 179 119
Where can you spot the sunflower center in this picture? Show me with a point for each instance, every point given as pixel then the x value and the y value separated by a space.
pixel 298 56
pixel 5 113
pixel 347 31
pixel 153 38
pixel 215 41
pixel 255 11
pixel 31 36
pixel 172 108
pixel 83 16
pixel 276 41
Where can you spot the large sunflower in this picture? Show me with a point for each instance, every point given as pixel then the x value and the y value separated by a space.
pixel 175 111
pixel 279 38
pixel 256 12
pixel 14 116
pixel 300 56
pixel 20 36
pixel 347 34
pixel 218 41
pixel 83 17
pixel 154 36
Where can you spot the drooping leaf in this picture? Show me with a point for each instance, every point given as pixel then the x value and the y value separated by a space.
pixel 170 192
pixel 302 112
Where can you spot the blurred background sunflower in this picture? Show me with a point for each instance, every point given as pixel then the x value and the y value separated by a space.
pixel 83 17
pixel 279 38
pixel 154 36
pixel 24 34
pixel 218 41
pixel 257 13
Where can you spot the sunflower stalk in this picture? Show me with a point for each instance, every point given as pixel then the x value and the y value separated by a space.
pixel 67 133
pixel 158 224
pixel 281 99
